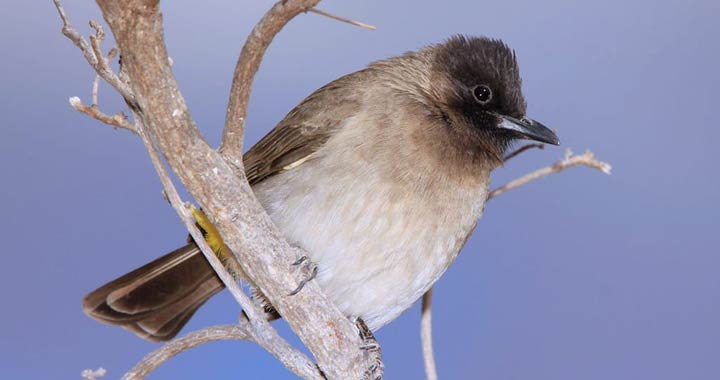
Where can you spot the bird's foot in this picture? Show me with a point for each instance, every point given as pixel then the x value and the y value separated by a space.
pixel 309 270
pixel 372 350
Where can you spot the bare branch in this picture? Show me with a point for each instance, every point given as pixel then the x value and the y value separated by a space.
pixel 522 149
pixel 585 159
pixel 244 330
pixel 95 41
pixel 91 54
pixel 226 197
pixel 156 358
pixel 118 120
pixel 96 82
pixel 426 336
pixel 342 19
pixel 247 65
pixel 291 358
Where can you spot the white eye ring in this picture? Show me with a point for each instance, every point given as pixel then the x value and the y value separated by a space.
pixel 482 93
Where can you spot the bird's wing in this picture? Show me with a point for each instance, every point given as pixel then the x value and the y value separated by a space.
pixel 305 129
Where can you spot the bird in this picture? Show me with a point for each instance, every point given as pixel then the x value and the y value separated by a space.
pixel 380 176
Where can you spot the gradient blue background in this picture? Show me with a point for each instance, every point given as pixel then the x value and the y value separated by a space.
pixel 578 276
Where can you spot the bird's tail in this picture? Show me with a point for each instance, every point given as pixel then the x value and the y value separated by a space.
pixel 156 300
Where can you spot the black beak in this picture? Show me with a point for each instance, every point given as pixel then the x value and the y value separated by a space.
pixel 529 128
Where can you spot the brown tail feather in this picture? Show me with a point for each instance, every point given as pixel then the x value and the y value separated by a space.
pixel 156 300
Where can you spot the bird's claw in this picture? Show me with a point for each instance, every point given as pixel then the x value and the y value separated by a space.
pixel 310 268
pixel 299 261
pixel 372 349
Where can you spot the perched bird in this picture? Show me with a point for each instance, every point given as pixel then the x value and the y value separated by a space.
pixel 380 176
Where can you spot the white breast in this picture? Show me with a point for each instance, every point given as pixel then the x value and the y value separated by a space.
pixel 379 246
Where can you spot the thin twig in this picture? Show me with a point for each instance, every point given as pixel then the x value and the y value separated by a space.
pixel 522 149
pixel 96 82
pixel 291 358
pixel 585 159
pixel 118 120
pixel 342 19
pixel 95 41
pixel 95 89
pixel 91 54
pixel 426 336
pixel 186 216
pixel 244 330
pixel 156 358
pixel 247 65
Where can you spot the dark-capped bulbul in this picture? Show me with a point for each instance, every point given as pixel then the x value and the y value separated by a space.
pixel 380 176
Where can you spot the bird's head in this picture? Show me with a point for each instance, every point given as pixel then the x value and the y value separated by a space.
pixel 478 92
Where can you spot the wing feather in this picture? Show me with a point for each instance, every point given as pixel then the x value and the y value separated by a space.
pixel 305 129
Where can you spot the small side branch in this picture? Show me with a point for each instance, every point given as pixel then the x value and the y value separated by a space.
pixel 247 65
pixel 585 159
pixel 118 120
pixel 92 54
pixel 96 83
pixel 156 358
pixel 426 336
pixel 244 330
pixel 342 19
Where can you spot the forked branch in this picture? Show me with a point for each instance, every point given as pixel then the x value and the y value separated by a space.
pixel 91 54
pixel 569 161
pixel 163 120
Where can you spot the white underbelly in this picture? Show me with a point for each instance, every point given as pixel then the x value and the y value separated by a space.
pixel 378 251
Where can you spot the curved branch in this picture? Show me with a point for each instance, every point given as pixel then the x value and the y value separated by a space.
pixel 92 54
pixel 117 121
pixel 247 65
pixel 156 358
pixel 585 159
pixel 342 19
pixel 295 361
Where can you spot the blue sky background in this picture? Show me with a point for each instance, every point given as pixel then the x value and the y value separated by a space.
pixel 578 276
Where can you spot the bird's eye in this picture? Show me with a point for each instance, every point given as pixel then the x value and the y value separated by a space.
pixel 482 94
